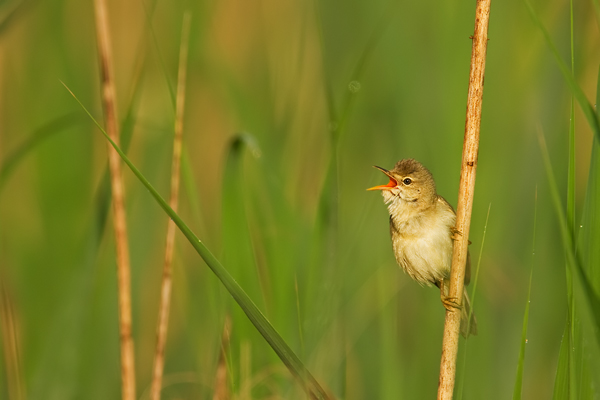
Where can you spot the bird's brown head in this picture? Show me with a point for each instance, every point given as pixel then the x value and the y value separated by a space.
pixel 410 182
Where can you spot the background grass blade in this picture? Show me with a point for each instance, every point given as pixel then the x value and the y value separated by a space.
pixel 580 275
pixel 590 221
pixel 44 132
pixel 521 362
pixel 562 380
pixel 475 280
pixel 238 249
pixel 278 71
pixel 11 347
pixel 586 106
pixel 257 318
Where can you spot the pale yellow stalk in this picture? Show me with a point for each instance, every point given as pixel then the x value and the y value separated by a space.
pixel 465 199
pixel 118 200
pixel 167 281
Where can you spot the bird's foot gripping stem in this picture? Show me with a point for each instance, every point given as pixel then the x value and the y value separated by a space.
pixel 450 303
pixel 455 234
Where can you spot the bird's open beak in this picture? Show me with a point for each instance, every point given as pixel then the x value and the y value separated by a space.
pixel 391 184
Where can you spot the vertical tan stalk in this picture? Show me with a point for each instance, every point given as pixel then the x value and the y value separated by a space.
pixel 165 292
pixel 221 389
pixel 120 225
pixel 10 344
pixel 465 199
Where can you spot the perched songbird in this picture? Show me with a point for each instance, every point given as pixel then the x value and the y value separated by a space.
pixel 422 226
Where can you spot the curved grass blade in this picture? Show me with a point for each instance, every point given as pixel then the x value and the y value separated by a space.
pixel 473 299
pixel 586 106
pixel 39 135
pixel 285 353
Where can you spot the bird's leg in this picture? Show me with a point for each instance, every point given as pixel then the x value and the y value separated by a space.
pixel 450 303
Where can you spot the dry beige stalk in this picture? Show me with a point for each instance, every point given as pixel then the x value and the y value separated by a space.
pixel 167 281
pixel 221 391
pixel 465 198
pixel 120 225
pixel 10 344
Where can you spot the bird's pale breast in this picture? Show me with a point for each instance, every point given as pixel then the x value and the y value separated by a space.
pixel 423 244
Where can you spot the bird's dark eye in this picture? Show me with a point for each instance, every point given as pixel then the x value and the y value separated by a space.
pixel 407 181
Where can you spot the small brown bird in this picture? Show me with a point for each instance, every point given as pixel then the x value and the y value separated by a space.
pixel 422 226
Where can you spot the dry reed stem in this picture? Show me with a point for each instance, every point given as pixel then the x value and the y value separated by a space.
pixel 221 389
pixel 465 199
pixel 120 225
pixel 167 281
pixel 10 345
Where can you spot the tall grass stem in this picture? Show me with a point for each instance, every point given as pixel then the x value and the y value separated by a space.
pixel 167 281
pixel 465 199
pixel 118 199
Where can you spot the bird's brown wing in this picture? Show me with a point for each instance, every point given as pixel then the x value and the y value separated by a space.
pixel 468 266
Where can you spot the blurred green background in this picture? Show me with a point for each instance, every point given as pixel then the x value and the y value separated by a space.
pixel 321 90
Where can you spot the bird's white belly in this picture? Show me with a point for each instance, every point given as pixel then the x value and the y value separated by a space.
pixel 426 258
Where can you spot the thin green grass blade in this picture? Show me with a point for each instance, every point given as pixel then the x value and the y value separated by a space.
pixel 476 279
pixel 473 297
pixel 592 302
pixel 517 392
pixel 149 11
pixel 590 230
pixel 11 12
pixel 571 172
pixel 597 9
pixel 561 382
pixel 367 53
pixel 331 109
pixel 519 379
pixel 285 353
pixel 571 326
pixel 238 249
pixel 585 372
pixel 327 227
pixel 103 193
pixel 38 136
pixel 586 106
pixel 328 203
pixel 574 376
pixel 189 183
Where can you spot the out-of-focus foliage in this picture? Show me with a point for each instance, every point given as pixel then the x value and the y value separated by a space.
pixel 294 226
